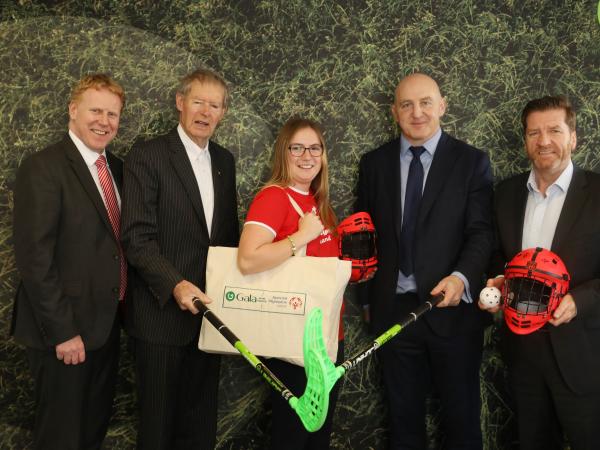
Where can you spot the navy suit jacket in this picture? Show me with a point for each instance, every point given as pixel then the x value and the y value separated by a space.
pixel 577 242
pixel 165 235
pixel 454 229
pixel 66 251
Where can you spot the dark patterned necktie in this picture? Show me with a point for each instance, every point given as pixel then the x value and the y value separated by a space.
pixel 412 200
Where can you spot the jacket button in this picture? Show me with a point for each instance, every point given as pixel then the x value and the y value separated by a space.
pixel 115 289
pixel 116 257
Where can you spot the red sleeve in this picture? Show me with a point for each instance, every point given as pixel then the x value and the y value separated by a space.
pixel 270 208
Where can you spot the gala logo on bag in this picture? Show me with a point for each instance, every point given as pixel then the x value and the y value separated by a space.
pixel 264 301
pixel 231 296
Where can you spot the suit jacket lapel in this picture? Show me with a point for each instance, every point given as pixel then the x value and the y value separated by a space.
pixel 574 201
pixel 393 174
pixel 442 164
pixel 115 169
pixel 217 169
pixel 515 210
pixel 183 168
pixel 85 178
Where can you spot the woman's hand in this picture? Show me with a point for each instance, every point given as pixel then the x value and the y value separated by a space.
pixel 309 228
pixel 258 252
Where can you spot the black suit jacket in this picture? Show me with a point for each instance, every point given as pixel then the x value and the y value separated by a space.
pixel 577 242
pixel 165 235
pixel 454 229
pixel 66 252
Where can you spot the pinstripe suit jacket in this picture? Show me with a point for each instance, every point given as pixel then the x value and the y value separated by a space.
pixel 165 236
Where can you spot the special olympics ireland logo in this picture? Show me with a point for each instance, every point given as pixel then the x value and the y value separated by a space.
pixel 295 303
pixel 229 296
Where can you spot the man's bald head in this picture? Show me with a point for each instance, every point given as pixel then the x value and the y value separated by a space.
pixel 418 107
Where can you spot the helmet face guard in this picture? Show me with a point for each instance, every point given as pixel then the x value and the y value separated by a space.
pixel 535 282
pixel 357 244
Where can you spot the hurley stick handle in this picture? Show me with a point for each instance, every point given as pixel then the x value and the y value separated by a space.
pixel 215 321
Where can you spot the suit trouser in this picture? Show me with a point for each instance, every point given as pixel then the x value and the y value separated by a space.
pixel 74 402
pixel 546 407
pixel 177 390
pixel 413 362
pixel 287 431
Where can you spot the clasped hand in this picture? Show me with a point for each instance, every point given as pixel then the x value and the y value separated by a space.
pixel 185 293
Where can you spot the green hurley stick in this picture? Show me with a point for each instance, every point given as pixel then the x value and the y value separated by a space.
pixel 318 367
pixel 321 373
pixel 312 406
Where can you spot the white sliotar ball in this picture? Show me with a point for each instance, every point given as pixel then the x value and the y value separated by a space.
pixel 490 297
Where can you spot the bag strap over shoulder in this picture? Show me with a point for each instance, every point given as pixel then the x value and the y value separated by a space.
pixel 292 201
pixel 302 250
pixel 296 206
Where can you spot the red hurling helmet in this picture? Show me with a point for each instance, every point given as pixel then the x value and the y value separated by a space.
pixel 535 281
pixel 357 244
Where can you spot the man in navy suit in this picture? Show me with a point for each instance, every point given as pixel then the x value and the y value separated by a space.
pixel 430 197
pixel 72 269
pixel 555 371
pixel 179 198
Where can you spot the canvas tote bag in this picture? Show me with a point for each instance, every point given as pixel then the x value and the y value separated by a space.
pixel 267 310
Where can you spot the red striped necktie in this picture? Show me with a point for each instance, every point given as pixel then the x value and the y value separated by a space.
pixel 114 215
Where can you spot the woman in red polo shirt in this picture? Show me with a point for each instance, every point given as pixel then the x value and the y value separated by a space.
pixel 274 232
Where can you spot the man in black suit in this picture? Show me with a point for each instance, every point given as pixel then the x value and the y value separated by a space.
pixel 430 198
pixel 179 199
pixel 73 271
pixel 555 371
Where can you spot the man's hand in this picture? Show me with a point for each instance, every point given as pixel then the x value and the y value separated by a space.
pixel 497 282
pixel 452 287
pixel 565 312
pixel 185 292
pixel 71 351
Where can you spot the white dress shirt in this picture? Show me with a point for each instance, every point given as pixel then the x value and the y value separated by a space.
pixel 90 157
pixel 542 211
pixel 200 160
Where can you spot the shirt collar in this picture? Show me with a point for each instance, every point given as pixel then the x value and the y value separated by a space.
pixel 193 150
pixel 299 191
pixel 430 144
pixel 89 156
pixel 562 182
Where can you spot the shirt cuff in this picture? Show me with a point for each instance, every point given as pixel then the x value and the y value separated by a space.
pixel 466 297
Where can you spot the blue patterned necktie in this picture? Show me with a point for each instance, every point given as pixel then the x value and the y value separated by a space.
pixel 412 200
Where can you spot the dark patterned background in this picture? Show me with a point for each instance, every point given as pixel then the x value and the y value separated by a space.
pixel 334 61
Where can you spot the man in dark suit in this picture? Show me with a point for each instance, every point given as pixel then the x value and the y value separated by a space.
pixel 73 272
pixel 179 199
pixel 555 371
pixel 430 199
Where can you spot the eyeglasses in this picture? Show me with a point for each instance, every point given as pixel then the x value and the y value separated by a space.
pixel 298 150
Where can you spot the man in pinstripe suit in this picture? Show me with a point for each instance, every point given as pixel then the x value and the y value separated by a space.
pixel 179 197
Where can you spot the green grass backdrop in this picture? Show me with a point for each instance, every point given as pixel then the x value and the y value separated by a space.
pixel 334 61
